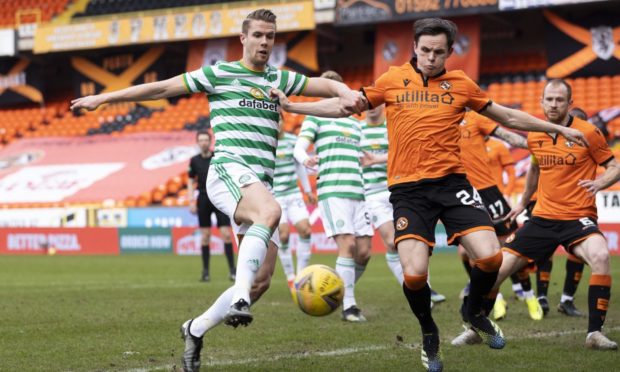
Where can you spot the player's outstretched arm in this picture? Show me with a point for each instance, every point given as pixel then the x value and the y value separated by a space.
pixel 531 184
pixel 512 138
pixel 608 178
pixel 143 92
pixel 351 100
pixel 520 120
pixel 325 108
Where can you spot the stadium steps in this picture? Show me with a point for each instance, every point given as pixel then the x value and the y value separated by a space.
pixel 78 6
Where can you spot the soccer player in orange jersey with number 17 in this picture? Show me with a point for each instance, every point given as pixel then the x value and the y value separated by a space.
pixel 424 106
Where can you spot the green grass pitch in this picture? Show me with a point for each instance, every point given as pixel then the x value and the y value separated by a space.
pixel 122 313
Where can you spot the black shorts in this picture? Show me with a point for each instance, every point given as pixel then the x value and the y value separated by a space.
pixel 205 208
pixel 529 209
pixel 538 239
pixel 419 205
pixel 498 208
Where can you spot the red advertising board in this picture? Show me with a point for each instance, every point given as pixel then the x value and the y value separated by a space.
pixel 85 169
pixel 65 241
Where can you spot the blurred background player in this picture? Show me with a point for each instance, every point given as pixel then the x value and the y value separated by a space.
pixel 294 210
pixel 374 142
pixel 196 187
pixel 564 173
pixel 246 125
pixel 340 188
pixel 502 165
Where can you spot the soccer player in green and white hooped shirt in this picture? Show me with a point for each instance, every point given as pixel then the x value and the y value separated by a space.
pixel 341 195
pixel 294 210
pixel 245 124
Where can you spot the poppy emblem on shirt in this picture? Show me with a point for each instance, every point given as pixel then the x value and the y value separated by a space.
pixel 445 85
pixel 406 82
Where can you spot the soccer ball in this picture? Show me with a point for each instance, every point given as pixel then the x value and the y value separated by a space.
pixel 318 290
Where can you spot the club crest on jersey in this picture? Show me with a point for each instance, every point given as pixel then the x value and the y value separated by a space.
pixel 445 85
pixel 402 223
pixel 256 93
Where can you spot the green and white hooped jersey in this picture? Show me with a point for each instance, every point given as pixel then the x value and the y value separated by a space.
pixel 244 119
pixel 337 143
pixel 285 179
pixel 374 140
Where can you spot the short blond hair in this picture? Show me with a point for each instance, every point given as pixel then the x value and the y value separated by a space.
pixel 332 75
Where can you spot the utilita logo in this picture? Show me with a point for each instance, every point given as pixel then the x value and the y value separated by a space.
pixel 36 242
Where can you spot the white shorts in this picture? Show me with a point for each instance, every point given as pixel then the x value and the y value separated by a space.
pixel 224 183
pixel 345 216
pixel 380 208
pixel 293 208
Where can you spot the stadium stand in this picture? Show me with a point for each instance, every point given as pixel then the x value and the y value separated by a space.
pixel 46 9
pixel 103 7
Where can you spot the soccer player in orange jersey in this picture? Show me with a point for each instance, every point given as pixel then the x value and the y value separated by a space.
pixel 500 161
pixel 424 106
pixel 564 173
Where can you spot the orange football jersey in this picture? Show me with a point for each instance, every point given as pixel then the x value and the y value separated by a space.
pixel 473 150
pixel 423 117
pixel 562 164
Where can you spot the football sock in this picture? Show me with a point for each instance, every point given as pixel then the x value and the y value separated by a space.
pixel 286 259
pixel 230 257
pixel 466 264
pixel 393 262
pixel 213 316
pixel 252 253
pixel 420 303
pixel 345 267
pixel 598 301
pixel 304 251
pixel 206 255
pixel 543 274
pixel 359 270
pixel 574 271
pixel 483 277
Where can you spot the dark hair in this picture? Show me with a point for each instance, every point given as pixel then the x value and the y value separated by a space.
pixel 560 82
pixel 332 75
pixel 264 15
pixel 435 26
pixel 577 112
pixel 202 132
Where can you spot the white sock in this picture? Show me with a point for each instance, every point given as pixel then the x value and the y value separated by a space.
pixel 516 287
pixel 393 262
pixel 286 259
pixel 304 251
pixel 252 253
pixel 528 294
pixel 345 267
pixel 565 298
pixel 213 316
pixel 359 271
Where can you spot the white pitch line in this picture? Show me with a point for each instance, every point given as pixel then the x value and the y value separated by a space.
pixel 349 351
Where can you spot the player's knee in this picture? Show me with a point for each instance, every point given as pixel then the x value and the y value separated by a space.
pixel 304 231
pixel 391 247
pixel 599 259
pixel 270 214
pixel 416 282
pixel 490 264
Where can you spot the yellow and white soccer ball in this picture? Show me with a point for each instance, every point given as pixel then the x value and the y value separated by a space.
pixel 318 290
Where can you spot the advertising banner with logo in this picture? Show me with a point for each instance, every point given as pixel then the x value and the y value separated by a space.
pixel 171 25
pixel 186 241
pixel 608 206
pixel 612 234
pixel 583 45
pixel 155 240
pixel 394 46
pixel 525 4
pixel 161 217
pixel 65 241
pixel 379 11
pixel 20 82
pixel 44 217
pixel 86 169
